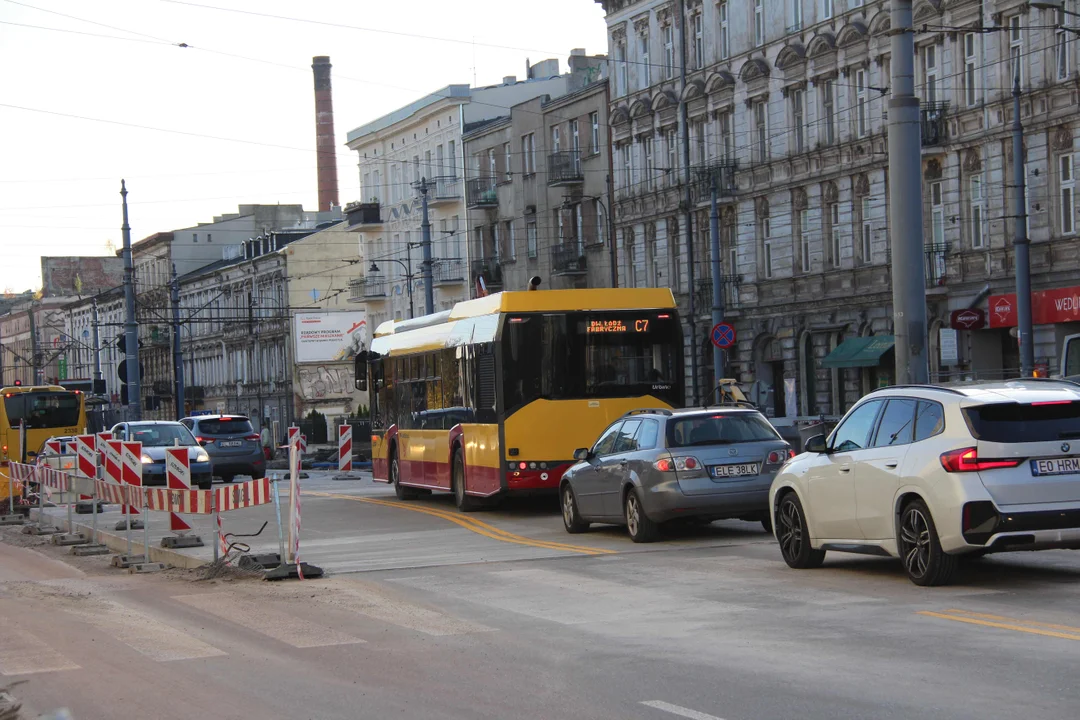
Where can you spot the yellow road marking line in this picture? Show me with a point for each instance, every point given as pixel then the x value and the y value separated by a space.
pixel 477 526
pixel 1012 625
pixel 1016 621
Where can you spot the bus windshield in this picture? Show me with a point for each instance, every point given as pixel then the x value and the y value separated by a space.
pixel 568 356
pixel 42 410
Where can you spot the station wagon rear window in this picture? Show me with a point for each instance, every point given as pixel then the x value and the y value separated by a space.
pixel 1019 423
pixel 226 426
pixel 718 428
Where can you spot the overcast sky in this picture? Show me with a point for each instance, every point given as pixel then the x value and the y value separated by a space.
pixel 60 175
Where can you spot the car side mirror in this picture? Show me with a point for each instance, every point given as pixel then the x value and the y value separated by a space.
pixel 817 444
pixel 582 454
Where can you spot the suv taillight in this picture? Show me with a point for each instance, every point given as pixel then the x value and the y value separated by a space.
pixel 252 436
pixel 967 460
pixel 680 464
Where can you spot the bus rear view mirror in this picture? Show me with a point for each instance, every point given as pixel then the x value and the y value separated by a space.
pixel 361 370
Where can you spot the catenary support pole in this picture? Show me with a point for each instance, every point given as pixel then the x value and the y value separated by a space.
pixel 131 327
pixel 1021 242
pixel 425 241
pixel 688 215
pixel 717 288
pixel 905 205
pixel 178 355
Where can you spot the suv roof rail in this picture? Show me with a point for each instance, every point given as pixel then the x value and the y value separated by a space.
pixel 917 387
pixel 745 404
pixel 644 411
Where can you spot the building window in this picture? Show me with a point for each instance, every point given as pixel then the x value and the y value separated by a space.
pixel 796 14
pixel 725 37
pixel 628 167
pixel 865 231
pixel 511 241
pixel 971 93
pixel 766 247
pixel 194 237
pixel 860 103
pixel 669 52
pixel 802 238
pixel 601 223
pixel 620 69
pixel 496 242
pixel 556 139
pixel 528 154
pixel 672 143
pixel 649 167
pixel 643 75
pixel 1016 51
pixel 1062 46
pixel 828 107
pixel 832 233
pixel 209 237
pixel 493 171
pixel 724 126
pixel 560 227
pixel 575 139
pixel 761 131
pixel 700 143
pixel 759 23
pixel 594 132
pixel 937 214
pixel 797 119
pixel 930 73
pixel 579 229
pixel 507 162
pixel 1067 181
pixel 975 208
pixel 530 238
pixel 826 9
pixel 699 42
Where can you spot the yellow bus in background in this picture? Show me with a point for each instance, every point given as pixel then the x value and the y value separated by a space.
pixel 47 410
pixel 493 396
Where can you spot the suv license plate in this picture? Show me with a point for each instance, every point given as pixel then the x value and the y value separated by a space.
pixel 726 471
pixel 1056 466
pixel 231 443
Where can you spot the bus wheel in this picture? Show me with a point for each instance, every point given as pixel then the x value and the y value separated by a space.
pixel 402 492
pixel 464 502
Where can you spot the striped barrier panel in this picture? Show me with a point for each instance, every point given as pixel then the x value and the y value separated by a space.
pixel 131 469
pixel 178 478
pixel 242 495
pixel 189 502
pixel 344 459
pixel 114 493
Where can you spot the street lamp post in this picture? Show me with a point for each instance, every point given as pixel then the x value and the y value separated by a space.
pixel 408 279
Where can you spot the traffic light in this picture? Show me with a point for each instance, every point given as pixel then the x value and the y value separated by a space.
pixel 122 370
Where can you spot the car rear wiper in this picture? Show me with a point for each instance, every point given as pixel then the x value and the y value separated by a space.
pixel 1068 435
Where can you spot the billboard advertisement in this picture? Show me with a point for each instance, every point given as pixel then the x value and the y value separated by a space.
pixel 323 337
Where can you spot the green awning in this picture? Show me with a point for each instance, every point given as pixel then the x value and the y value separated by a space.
pixel 859 352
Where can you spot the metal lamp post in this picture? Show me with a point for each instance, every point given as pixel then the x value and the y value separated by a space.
pixel 408 279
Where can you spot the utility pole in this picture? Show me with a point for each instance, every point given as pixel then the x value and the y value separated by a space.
pixel 905 205
pixel 97 346
pixel 425 242
pixel 35 350
pixel 178 355
pixel 688 218
pixel 131 327
pixel 1021 242
pixel 717 287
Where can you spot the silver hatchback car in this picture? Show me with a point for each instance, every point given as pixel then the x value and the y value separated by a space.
pixel 653 466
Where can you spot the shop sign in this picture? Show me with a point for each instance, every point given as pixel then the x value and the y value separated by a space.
pixel 1047 307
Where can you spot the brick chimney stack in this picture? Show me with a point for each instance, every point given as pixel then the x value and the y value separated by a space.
pixel 324 133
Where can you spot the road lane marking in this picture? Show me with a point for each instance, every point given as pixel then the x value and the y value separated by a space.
pixel 679 710
pixel 281 626
pixel 143 633
pixel 24 654
pixel 472 524
pixel 1005 623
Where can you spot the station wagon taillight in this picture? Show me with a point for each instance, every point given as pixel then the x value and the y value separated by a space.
pixel 967 460
pixel 679 464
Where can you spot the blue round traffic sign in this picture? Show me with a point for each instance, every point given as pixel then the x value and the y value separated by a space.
pixel 723 335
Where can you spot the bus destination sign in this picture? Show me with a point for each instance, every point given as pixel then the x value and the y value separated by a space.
pixel 600 327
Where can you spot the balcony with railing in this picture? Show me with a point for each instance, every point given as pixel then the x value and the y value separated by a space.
pixel 444 190
pixel 490 269
pixel 729 287
pixel 365 289
pixel 935 264
pixel 447 272
pixel 568 259
pixel 480 192
pixel 720 172
pixel 935 128
pixel 363 216
pixel 564 168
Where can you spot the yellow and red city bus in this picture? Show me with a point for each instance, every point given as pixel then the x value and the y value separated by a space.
pixel 47 411
pixel 494 396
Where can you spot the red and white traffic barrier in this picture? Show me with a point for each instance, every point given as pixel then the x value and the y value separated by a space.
pixel 242 495
pixel 344 460
pixel 177 477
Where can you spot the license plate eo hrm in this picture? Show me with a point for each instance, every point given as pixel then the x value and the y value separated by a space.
pixel 1056 466
pixel 724 471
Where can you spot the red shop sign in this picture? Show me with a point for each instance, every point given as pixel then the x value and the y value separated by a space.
pixel 970 319
pixel 1047 307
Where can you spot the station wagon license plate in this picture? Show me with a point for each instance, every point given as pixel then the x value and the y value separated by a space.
pixel 231 443
pixel 1056 466
pixel 738 470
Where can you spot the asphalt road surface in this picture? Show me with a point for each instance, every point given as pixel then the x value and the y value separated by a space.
pixel 493 616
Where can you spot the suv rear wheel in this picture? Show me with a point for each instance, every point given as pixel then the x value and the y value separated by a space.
pixel 924 561
pixel 794 535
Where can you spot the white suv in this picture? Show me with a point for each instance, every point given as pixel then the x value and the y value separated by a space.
pixel 927 473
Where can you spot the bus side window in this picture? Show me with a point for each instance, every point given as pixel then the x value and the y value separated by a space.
pixel 1071 363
